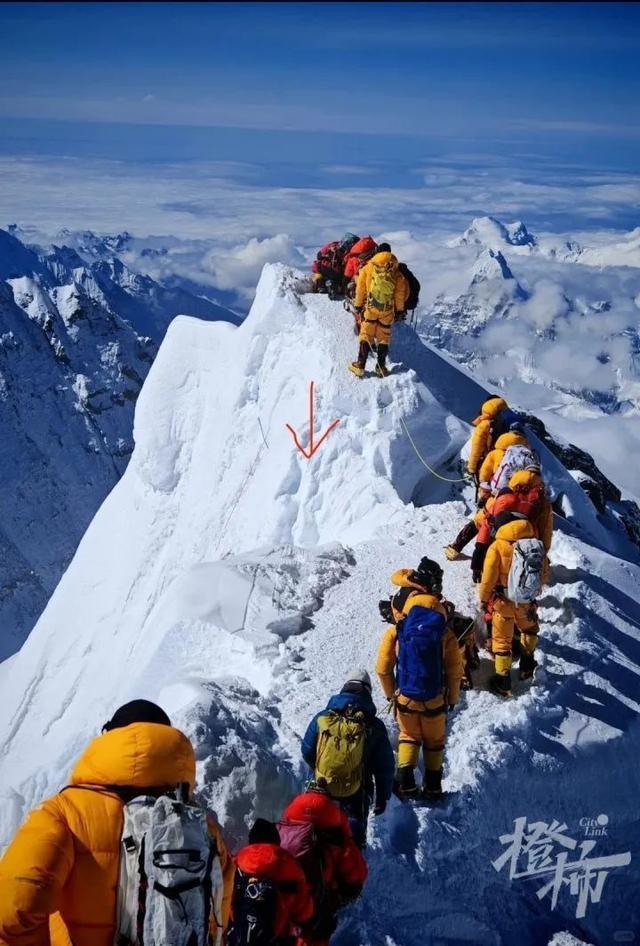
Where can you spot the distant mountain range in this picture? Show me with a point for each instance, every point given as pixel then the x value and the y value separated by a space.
pixel 79 331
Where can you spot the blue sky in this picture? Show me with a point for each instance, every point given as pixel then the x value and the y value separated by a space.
pixel 347 82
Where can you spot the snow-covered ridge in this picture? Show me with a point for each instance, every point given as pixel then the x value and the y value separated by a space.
pixel 234 582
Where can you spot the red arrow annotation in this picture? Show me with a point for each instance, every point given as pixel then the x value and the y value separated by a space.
pixel 314 446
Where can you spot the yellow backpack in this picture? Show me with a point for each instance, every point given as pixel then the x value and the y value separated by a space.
pixel 340 752
pixel 382 286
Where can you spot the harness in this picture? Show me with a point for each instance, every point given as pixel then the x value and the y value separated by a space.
pixel 429 713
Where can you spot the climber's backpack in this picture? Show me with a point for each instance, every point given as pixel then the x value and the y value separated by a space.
pixel 414 287
pixel 170 875
pixel 359 254
pixel 328 261
pixel 420 665
pixel 382 286
pixel 254 911
pixel 523 504
pixel 525 575
pixel 304 842
pixel 518 457
pixel 501 424
pixel 340 751
pixel 347 242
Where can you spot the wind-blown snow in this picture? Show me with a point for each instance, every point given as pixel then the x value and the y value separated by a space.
pixel 236 583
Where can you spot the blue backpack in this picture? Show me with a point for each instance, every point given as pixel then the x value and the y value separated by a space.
pixel 420 671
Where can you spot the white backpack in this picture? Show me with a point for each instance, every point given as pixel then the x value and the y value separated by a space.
pixel 517 457
pixel 170 875
pixel 525 575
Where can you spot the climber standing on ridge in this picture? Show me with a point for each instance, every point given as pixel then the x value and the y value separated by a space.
pixel 63 878
pixel 526 495
pixel 515 437
pixel 348 748
pixel 381 296
pixel 494 419
pixel 271 895
pixel 512 579
pixel 420 668
pixel 316 832
pixel 412 582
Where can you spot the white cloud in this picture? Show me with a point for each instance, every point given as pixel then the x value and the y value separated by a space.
pixel 240 267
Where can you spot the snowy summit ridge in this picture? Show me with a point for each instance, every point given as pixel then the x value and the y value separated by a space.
pixel 236 582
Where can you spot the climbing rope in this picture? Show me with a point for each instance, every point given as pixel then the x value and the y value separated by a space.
pixel 445 479
pixel 373 348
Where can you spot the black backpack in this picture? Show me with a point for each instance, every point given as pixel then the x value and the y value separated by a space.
pixel 414 287
pixel 254 911
pixel 502 423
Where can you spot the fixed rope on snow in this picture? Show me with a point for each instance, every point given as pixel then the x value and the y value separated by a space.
pixel 445 479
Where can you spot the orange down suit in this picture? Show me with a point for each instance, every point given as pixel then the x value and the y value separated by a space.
pixel 59 877
pixel 376 323
pixel 481 439
pixel 506 615
pixel 425 725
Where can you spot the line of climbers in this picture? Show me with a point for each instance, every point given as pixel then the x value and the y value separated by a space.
pixel 513 528
pixel 123 855
pixel 377 288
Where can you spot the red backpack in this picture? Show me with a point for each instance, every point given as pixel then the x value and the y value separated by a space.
pixel 360 253
pixel 328 261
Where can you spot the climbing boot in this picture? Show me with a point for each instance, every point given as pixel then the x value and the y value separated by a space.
pixel 516 646
pixel 357 369
pixel 432 785
pixel 500 684
pixel 381 368
pixel 405 782
pixel 527 667
pixel 451 553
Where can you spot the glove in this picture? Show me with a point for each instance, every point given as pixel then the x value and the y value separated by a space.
pixel 380 808
pixel 451 707
pixel 401 316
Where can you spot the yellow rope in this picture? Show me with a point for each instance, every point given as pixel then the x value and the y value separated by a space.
pixel 445 479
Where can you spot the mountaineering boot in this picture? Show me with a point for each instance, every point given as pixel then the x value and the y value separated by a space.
pixel 381 368
pixel 357 367
pixel 516 646
pixel 500 684
pixel 451 553
pixel 405 782
pixel 432 785
pixel 527 667
pixel 468 532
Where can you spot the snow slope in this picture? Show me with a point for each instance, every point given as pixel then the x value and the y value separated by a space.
pixel 236 583
pixel 76 341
